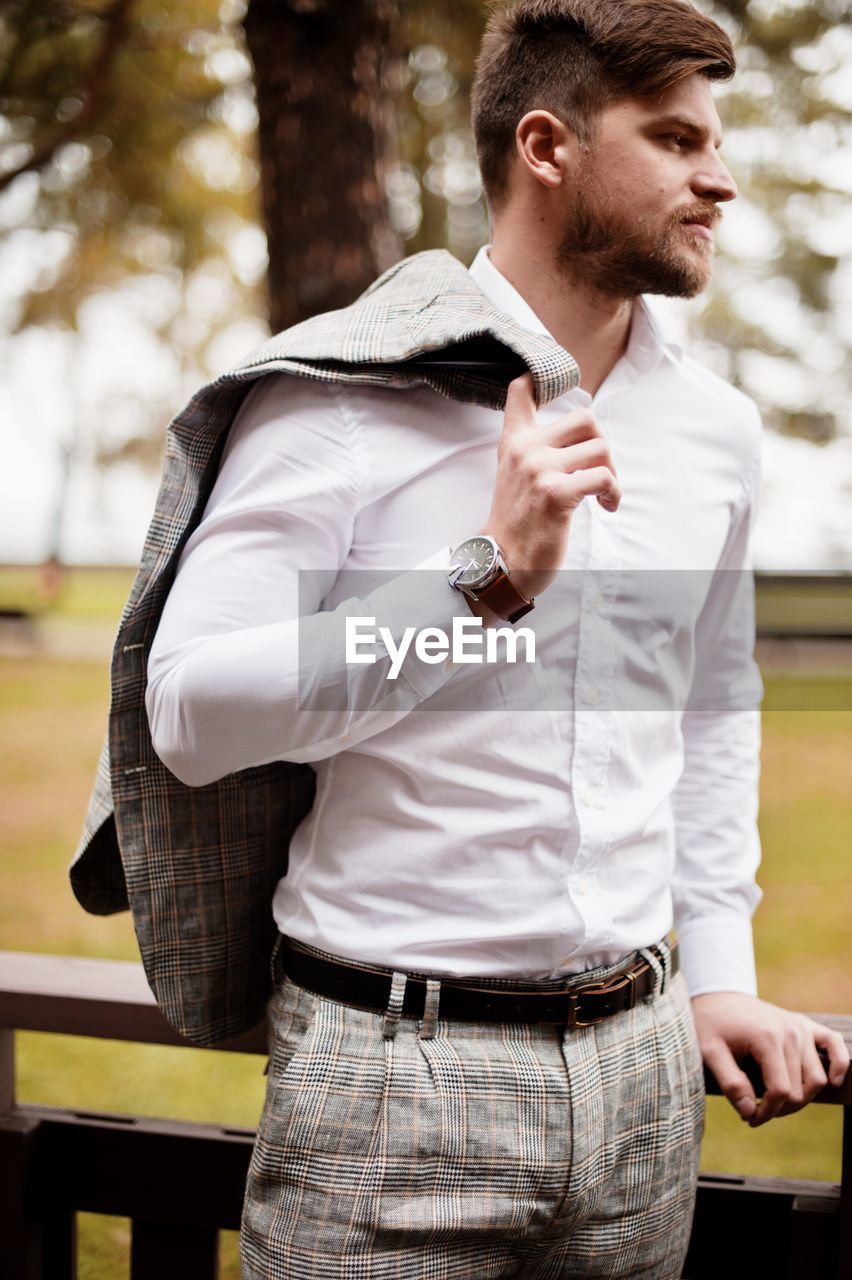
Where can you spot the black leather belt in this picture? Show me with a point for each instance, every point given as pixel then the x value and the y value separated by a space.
pixel 583 1005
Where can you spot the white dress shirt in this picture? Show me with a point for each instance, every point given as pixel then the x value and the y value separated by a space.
pixel 495 819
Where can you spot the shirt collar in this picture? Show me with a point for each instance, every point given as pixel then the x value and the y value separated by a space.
pixel 645 346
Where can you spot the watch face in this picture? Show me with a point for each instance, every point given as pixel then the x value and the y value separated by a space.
pixel 476 558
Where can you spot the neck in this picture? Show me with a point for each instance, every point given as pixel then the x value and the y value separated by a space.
pixel 594 328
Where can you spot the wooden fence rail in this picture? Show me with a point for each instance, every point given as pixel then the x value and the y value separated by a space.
pixel 181 1183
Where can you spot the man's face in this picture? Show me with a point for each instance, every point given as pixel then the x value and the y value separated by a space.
pixel 651 169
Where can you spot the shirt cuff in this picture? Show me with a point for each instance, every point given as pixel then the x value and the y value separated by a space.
pixel 717 954
pixel 422 597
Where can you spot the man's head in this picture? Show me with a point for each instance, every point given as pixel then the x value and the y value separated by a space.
pixel 581 112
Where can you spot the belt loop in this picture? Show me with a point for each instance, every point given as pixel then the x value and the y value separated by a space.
pixel 431 1006
pixel 663 947
pixel 393 1013
pixel 273 959
pixel 659 972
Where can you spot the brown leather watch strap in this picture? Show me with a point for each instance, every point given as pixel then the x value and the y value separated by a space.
pixel 504 599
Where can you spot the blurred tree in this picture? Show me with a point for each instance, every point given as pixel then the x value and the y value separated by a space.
pixel 127 136
pixel 120 136
pixel 776 319
pixel 324 74
pixel 21 31
pixel 126 172
pixel 435 193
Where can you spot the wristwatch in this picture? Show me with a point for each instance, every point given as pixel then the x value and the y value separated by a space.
pixel 479 570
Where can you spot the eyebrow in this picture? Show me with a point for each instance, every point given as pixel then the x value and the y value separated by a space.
pixel 689 126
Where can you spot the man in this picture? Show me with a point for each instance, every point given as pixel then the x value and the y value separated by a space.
pixel 484 1058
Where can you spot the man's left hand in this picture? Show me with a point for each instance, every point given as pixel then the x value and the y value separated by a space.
pixel 732 1025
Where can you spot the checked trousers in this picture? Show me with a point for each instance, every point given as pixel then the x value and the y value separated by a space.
pixel 391 1148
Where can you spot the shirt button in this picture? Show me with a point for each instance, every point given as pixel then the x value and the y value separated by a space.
pixel 584 884
pixel 592 796
pixel 592 693
pixel 597 603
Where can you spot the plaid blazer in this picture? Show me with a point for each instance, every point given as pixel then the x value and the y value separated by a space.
pixel 198 865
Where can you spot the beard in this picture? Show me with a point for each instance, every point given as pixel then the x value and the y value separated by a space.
pixel 615 252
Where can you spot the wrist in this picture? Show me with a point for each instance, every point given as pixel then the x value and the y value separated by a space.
pixel 526 581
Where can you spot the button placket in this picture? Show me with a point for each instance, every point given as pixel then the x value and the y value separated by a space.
pixel 594 688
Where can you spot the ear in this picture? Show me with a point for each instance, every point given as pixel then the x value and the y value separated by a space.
pixel 547 148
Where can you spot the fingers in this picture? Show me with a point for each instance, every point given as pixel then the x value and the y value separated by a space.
pixel 520 412
pixel 543 474
pixel 733 1082
pixel 813 1075
pixel 776 1079
pixel 587 453
pixel 571 428
pixel 795 1059
pixel 805 1074
pixel 576 441
pixel 569 490
pixel 835 1047
pixel 804 1063
pixel 782 1043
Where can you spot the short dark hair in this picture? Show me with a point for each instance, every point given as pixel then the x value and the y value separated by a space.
pixel 573 57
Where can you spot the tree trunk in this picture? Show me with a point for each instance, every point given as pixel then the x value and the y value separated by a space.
pixel 321 74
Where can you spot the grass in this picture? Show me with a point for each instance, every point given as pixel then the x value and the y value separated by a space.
pixel 801 929
pixel 52 719
pixel 808 693
pixel 93 594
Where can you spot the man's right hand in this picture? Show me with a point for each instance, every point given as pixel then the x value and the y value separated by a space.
pixel 543 474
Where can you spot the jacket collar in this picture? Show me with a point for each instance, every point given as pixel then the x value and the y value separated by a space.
pixel 424 320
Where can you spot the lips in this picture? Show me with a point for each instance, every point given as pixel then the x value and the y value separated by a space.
pixel 699 229
pixel 707 217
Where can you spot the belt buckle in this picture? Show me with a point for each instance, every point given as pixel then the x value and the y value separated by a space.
pixel 600 988
pixel 573 999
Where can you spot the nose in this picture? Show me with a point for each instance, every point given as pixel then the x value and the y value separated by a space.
pixel 713 180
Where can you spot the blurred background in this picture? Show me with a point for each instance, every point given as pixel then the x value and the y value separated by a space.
pixel 177 180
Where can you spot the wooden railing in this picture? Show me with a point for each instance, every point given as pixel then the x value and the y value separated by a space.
pixel 182 1183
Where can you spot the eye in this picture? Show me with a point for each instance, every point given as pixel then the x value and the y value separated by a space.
pixel 679 139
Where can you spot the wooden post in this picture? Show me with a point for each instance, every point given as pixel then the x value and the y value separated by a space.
pixel 844 1269
pixel 7 1069
pixel 164 1251
pixel 21 1238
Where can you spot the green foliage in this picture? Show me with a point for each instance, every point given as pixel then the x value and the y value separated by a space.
pixel 128 129
pixel 131 129
pixel 435 193
pixel 788 123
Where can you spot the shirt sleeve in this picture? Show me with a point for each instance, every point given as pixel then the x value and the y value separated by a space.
pixel 247 666
pixel 715 802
